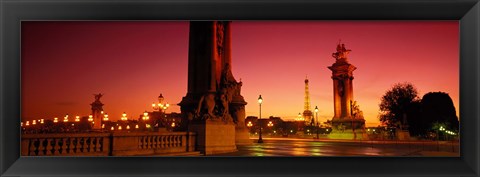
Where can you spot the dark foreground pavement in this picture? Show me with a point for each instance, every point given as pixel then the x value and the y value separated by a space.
pixel 325 147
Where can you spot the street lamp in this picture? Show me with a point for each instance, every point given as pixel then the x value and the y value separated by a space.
pixel 299 120
pixel 145 116
pixel 124 116
pixel 105 117
pixel 65 119
pixel 90 118
pixel 316 118
pixel 162 108
pixel 77 118
pixel 55 120
pixel 260 100
pixel 270 124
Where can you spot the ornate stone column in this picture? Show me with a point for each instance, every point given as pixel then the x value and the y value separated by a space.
pixel 344 124
pixel 213 106
pixel 97 108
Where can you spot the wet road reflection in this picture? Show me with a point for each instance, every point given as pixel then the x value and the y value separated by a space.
pixel 309 147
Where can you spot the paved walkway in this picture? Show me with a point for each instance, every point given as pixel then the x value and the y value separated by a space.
pixel 325 147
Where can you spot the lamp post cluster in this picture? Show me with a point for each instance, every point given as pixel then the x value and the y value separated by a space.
pixel 77 123
pixel 106 123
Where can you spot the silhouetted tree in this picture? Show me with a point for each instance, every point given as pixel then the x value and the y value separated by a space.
pixel 414 119
pixel 438 108
pixel 396 102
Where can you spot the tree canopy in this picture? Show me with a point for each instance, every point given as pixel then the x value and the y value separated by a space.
pixel 437 107
pixel 396 102
pixel 401 107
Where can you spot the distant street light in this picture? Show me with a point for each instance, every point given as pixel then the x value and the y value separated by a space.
pixel 316 119
pixel 77 118
pixel 124 116
pixel 90 118
pixel 34 122
pixel 270 124
pixel 55 120
pixel 65 119
pixel 260 100
pixel 249 124
pixel 145 116
pixel 105 117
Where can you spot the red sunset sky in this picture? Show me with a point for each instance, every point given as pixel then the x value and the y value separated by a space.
pixel 64 63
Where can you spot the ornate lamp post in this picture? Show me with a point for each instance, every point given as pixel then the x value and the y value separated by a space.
pixel 260 100
pixel 316 119
pixel 161 107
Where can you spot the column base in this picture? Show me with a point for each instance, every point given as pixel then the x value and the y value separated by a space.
pixel 214 137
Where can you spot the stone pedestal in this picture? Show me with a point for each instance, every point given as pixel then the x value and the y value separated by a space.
pixel 214 136
pixel 403 135
pixel 342 129
pixel 242 136
pixel 237 108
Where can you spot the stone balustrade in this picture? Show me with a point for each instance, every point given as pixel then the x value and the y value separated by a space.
pixel 107 144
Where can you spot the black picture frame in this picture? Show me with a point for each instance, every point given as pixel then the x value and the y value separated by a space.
pixel 14 11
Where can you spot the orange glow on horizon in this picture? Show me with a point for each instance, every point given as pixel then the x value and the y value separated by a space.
pixel 139 60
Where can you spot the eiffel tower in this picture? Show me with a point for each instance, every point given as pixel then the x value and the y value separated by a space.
pixel 307 114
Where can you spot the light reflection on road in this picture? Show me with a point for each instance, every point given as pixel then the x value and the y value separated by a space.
pixel 309 147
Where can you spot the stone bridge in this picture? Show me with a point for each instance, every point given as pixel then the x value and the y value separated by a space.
pixel 110 144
